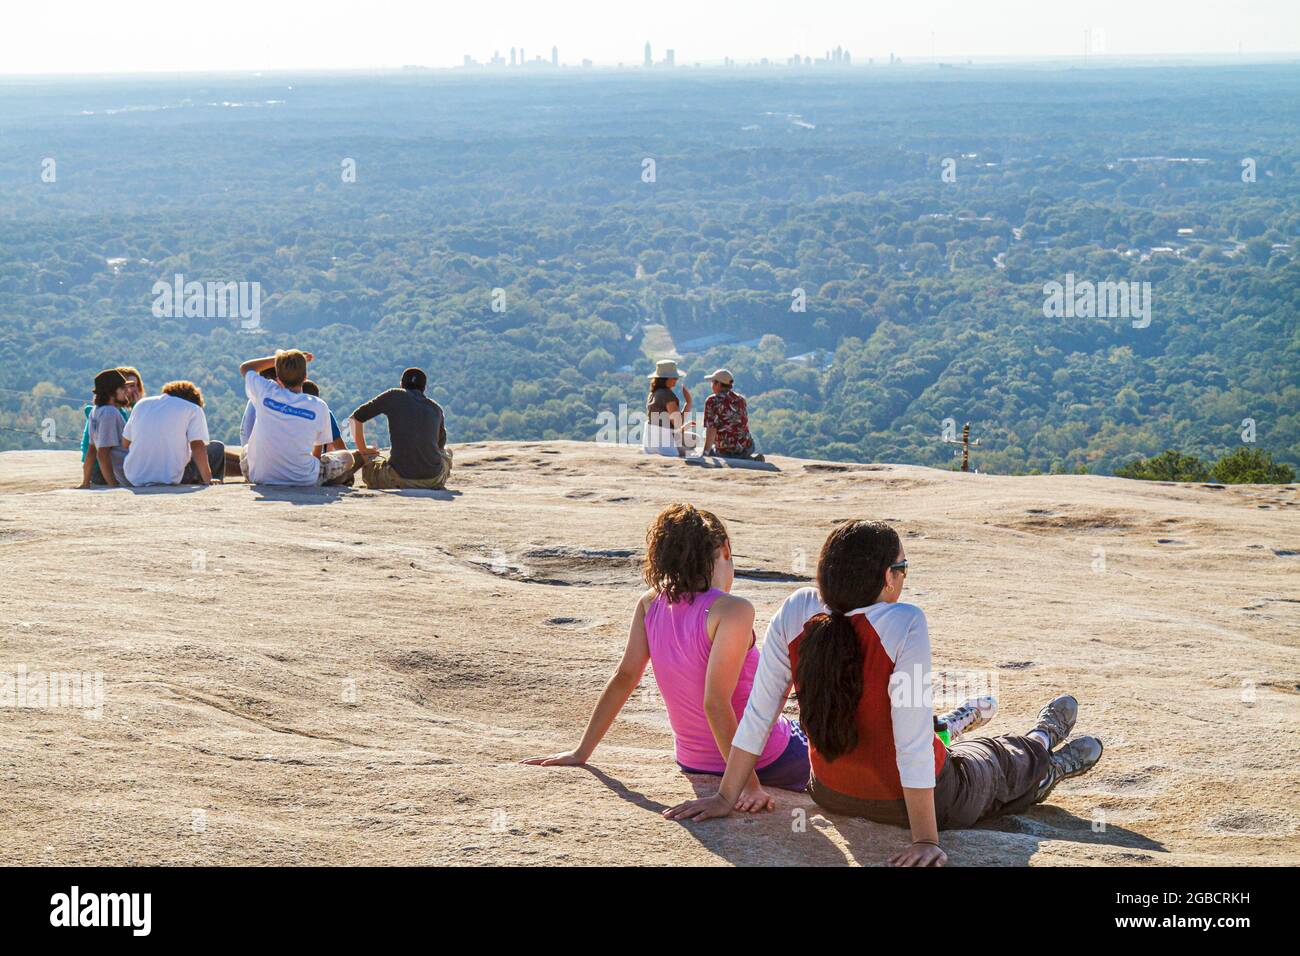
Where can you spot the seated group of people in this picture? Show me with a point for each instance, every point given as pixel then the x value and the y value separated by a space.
pixel 669 431
pixel 858 659
pixel 288 435
pixel 866 742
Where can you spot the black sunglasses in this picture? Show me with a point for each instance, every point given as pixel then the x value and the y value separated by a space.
pixel 900 566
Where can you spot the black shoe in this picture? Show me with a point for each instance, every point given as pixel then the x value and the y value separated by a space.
pixel 1056 720
pixel 1077 757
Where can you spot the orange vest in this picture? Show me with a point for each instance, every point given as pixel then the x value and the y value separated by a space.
pixel 870 770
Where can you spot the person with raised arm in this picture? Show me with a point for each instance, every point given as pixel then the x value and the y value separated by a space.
pixel 292 429
pixel 666 427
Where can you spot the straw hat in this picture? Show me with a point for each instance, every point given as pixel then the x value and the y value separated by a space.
pixel 665 368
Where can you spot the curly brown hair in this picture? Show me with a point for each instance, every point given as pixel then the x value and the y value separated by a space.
pixel 186 390
pixel 679 548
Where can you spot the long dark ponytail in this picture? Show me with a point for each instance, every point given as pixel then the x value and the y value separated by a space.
pixel 850 574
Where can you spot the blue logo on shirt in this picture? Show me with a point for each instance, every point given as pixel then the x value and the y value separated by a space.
pixel 284 409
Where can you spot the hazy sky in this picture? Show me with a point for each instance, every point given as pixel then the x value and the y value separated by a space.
pixel 77 36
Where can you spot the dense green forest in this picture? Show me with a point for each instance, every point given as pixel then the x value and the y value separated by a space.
pixel 507 235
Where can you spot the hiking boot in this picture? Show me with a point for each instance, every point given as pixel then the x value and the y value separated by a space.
pixel 1077 757
pixel 971 715
pixel 1056 720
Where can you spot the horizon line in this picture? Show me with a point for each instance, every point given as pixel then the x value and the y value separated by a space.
pixel 546 67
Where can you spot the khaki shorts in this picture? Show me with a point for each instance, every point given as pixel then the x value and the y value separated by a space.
pixel 334 466
pixel 379 473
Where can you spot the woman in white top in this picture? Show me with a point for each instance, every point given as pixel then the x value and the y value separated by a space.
pixel 860 661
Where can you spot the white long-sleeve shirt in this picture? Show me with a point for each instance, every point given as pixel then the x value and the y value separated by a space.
pixel 905 637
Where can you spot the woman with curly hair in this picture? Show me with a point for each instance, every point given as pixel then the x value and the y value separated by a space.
pixel 700 638
pixel 860 661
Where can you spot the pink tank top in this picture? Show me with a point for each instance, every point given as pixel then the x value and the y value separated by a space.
pixel 679 651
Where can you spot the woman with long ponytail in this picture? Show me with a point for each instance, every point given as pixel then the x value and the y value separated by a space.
pixel 859 660
pixel 851 572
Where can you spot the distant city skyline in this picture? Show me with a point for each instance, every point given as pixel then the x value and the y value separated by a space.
pixel 87 36
pixel 836 57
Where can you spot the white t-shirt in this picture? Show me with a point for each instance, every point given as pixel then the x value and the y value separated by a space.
pixel 288 425
pixel 160 430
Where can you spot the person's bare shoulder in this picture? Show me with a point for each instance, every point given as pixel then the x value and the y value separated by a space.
pixel 733 604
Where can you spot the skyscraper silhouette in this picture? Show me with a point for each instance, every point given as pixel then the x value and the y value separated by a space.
pixel 648 61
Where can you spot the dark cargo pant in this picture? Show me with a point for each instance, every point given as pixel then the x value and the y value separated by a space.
pixel 988 777
pixel 983 778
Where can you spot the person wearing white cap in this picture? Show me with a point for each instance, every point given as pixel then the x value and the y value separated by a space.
pixel 665 415
pixel 726 420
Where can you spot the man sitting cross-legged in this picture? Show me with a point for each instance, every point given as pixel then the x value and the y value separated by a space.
pixel 419 457
pixel 292 429
pixel 166 440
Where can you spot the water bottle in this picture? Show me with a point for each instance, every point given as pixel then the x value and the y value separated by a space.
pixel 941 730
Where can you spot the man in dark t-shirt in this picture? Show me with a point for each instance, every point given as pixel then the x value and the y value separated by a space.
pixel 419 457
